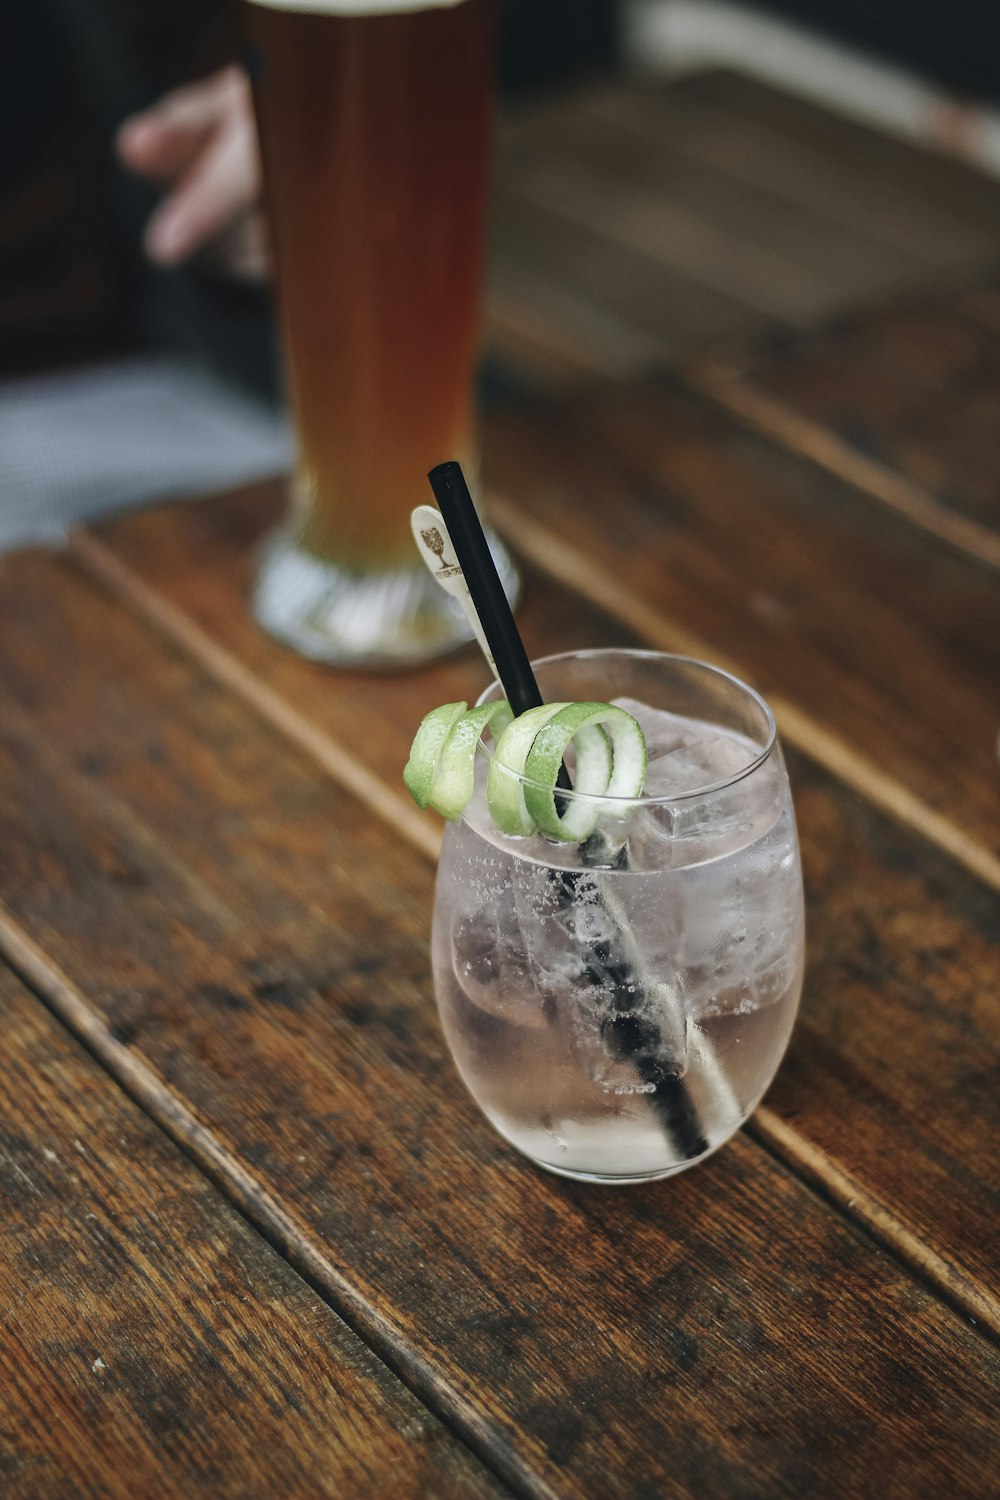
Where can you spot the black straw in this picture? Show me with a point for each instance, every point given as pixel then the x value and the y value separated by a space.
pixel 452 495
pixel 476 561
pixel 628 1036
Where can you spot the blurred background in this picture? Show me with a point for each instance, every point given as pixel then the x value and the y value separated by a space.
pixel 672 176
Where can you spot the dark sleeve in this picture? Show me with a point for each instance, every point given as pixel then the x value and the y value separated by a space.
pixel 72 280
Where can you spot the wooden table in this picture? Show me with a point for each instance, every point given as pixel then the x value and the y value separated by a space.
pixel 256 1239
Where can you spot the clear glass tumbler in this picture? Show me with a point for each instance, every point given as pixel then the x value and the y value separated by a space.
pixel 374 122
pixel 617 1008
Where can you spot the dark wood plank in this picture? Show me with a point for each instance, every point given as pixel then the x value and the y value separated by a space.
pixel 581 160
pixel 224 908
pixel 152 1343
pixel 619 308
pixel 912 388
pixel 640 223
pixel 198 564
pixel 886 639
pixel 927 204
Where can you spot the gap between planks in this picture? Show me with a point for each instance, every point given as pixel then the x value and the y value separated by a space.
pixel 726 387
pixel 227 669
pixel 810 1163
pixel 816 1167
pixel 560 560
pixel 260 1209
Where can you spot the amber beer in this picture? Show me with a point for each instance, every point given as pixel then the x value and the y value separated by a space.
pixel 374 121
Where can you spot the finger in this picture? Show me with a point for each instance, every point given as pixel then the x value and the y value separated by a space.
pixel 220 186
pixel 243 249
pixel 161 141
pixel 156 150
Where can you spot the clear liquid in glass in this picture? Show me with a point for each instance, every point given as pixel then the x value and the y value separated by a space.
pixel 708 914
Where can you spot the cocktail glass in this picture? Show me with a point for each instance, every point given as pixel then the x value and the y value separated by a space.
pixel 617 1008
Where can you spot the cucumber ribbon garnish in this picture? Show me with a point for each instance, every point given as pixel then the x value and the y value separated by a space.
pixel 521 788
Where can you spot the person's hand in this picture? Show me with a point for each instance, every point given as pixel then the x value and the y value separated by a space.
pixel 200 142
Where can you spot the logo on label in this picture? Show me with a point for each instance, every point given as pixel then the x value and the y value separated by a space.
pixel 434 542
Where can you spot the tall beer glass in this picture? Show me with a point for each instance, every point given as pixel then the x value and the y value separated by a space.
pixel 374 121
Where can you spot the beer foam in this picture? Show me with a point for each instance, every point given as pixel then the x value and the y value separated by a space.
pixel 357 7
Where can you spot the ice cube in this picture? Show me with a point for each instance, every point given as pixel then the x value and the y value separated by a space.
pixel 740 925
pixel 490 965
pixel 687 830
pixel 698 763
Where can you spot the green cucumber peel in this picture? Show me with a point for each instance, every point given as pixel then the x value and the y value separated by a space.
pixel 504 789
pixel 456 768
pixel 425 752
pixel 611 761
pixel 521 788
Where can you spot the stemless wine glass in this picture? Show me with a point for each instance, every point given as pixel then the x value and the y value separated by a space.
pixel 374 123
pixel 617 1008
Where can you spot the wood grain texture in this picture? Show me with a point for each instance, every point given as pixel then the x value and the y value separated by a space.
pixel 825 598
pixel 197 561
pixel 223 906
pixel 558 559
pixel 637 223
pixel 899 193
pixel 911 390
pixel 616 305
pixel 151 1342
pixel 612 163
